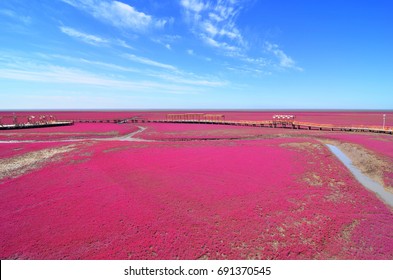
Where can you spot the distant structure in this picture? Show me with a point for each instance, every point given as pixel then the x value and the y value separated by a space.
pixel 29 121
pixel 283 119
pixel 278 121
pixel 195 117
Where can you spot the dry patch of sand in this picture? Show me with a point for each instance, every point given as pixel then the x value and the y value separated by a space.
pixel 365 160
pixel 18 165
pixel 346 233
pixel 313 180
pixel 303 146
pixel 335 190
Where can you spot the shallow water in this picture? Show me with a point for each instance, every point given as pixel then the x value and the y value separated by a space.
pixel 363 179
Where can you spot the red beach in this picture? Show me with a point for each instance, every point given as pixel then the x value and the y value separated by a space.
pixel 147 190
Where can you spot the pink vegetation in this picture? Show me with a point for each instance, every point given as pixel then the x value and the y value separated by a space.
pixel 267 199
pixel 172 131
pixel 281 196
pixel 78 130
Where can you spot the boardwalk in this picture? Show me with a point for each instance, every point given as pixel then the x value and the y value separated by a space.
pixel 278 121
pixel 35 125
pixel 218 120
pixel 126 120
pixel 289 125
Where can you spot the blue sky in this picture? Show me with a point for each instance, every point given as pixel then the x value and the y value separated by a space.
pixel 187 54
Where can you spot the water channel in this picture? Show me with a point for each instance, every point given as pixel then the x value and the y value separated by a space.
pixel 363 179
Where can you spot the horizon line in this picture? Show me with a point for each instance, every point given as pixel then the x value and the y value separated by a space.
pixel 194 109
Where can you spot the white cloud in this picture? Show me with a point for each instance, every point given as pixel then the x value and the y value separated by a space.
pixel 119 14
pixel 192 53
pixel 166 40
pixel 87 38
pixel 150 62
pixel 178 76
pixel 171 38
pixel 194 5
pixel 11 14
pixel 209 28
pixel 284 60
pixel 93 39
pixel 191 80
pixel 94 77
pixel 257 61
pixel 230 49
pixel 215 23
pixel 123 44
pixel 49 73
pixel 98 64
pixel 247 70
pixel 215 17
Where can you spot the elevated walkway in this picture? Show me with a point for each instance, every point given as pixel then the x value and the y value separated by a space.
pixel 289 125
pixel 35 125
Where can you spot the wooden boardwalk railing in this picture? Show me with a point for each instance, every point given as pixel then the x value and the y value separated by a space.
pixel 267 123
pixel 35 125
pixel 291 125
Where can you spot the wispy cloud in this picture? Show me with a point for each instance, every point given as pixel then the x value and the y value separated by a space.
pixel 166 40
pixel 215 23
pixel 220 44
pixel 97 64
pixel 192 53
pixel 119 14
pixel 11 14
pixel 285 61
pixel 191 79
pixel 46 69
pixel 93 39
pixel 123 44
pixel 174 75
pixel 72 76
pixel 87 38
pixel 249 70
pixel 150 62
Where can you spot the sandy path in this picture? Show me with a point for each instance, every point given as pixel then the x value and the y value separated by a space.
pixel 15 166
